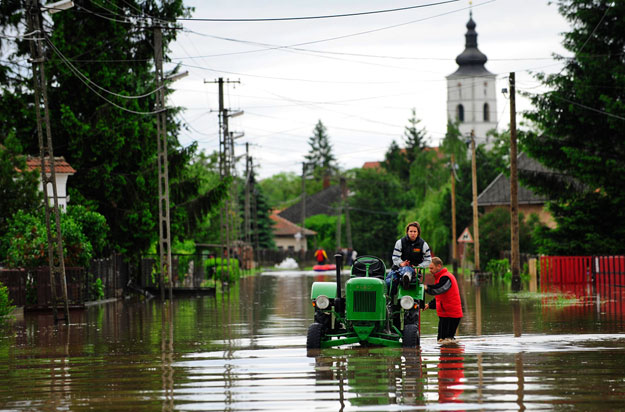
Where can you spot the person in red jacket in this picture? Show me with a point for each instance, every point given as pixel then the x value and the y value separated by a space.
pixel 446 300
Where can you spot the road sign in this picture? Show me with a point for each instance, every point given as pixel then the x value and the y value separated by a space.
pixel 465 237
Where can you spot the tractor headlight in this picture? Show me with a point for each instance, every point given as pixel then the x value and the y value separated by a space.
pixel 322 302
pixel 406 302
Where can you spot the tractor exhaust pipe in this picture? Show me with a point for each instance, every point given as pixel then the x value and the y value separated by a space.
pixel 338 301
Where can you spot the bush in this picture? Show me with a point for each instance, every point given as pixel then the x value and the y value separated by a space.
pixel 5 302
pixel 498 267
pixel 213 269
pixel 26 241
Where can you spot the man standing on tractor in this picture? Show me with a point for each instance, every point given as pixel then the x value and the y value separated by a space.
pixel 410 251
pixel 446 301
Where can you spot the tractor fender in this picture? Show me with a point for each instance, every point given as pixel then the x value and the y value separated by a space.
pixel 323 288
pixel 416 292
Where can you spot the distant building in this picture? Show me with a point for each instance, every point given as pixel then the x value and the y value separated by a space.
pixel 62 170
pixel 472 91
pixel 497 194
pixel 324 202
pixel 288 235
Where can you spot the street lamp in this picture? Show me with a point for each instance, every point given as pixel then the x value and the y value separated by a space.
pixel 57 6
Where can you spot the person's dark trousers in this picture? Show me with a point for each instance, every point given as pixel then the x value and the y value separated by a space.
pixel 447 327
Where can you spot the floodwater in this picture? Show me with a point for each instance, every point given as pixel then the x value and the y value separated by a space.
pixel 245 351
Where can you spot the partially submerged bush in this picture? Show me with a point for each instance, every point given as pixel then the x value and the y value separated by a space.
pixel 5 301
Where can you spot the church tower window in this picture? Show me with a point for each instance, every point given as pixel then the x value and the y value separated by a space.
pixel 460 113
pixel 486 113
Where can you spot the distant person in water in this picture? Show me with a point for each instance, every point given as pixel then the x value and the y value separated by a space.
pixel 446 300
pixel 320 256
pixel 410 252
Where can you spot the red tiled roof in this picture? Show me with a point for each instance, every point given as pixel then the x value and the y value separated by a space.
pixel 60 165
pixel 284 227
pixel 371 165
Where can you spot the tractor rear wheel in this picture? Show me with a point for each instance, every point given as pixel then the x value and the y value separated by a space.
pixel 315 333
pixel 411 338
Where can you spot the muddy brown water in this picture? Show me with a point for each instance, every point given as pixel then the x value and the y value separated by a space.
pixel 245 351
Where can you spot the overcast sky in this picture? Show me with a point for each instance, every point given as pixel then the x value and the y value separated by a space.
pixel 359 75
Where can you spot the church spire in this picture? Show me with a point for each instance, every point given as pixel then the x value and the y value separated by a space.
pixel 471 61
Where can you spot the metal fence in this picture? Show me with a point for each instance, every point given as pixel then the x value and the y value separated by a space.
pixel 598 270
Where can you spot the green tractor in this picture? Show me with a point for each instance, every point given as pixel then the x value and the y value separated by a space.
pixel 366 314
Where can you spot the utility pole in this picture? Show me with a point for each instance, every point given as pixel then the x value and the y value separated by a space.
pixel 56 259
pixel 302 236
pixel 454 237
pixel 476 232
pixel 348 227
pixel 164 229
pixel 248 177
pixel 515 264
pixel 246 221
pixel 226 162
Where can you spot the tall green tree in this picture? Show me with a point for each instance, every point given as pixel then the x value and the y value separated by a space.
pixel 94 58
pixel 377 199
pixel 399 161
pixel 320 154
pixel 582 132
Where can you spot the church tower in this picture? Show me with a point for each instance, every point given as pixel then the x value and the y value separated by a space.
pixel 471 91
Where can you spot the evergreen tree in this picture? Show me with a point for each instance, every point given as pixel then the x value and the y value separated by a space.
pixel 582 125
pixel 320 154
pixel 399 161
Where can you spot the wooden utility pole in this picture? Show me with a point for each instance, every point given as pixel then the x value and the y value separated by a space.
pixel 302 238
pixel 56 259
pixel 476 232
pixel 515 264
pixel 348 226
pixel 454 237
pixel 164 229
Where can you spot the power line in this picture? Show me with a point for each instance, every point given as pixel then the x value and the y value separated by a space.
pixel 328 16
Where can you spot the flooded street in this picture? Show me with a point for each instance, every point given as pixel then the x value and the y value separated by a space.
pixel 245 351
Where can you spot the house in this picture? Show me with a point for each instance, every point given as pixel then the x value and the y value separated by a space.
pixel 62 170
pixel 288 235
pixel 497 194
pixel 324 202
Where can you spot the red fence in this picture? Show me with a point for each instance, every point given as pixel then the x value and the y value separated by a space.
pixel 600 270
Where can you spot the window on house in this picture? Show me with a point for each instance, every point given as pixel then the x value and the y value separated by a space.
pixel 486 113
pixel 460 113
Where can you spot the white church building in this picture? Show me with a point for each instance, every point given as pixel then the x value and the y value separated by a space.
pixel 472 91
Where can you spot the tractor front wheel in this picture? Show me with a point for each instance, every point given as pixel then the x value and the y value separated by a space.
pixel 410 337
pixel 315 333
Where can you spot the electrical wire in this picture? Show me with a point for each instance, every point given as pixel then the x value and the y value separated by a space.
pixel 328 16
pixel 79 74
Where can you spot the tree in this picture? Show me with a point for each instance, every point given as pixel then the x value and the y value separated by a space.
pixel 320 153
pixel 399 161
pixel 282 189
pixel 108 139
pixel 582 133
pixel 374 208
pixel 18 186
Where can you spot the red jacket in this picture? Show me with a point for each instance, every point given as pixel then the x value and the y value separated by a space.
pixel 448 304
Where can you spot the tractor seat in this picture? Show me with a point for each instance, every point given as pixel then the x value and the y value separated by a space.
pixel 368 265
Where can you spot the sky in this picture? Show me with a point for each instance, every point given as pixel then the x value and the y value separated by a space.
pixel 360 75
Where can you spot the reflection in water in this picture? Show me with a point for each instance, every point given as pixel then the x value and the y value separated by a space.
pixel 167 355
pixel 245 351
pixel 450 373
pixel 372 376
